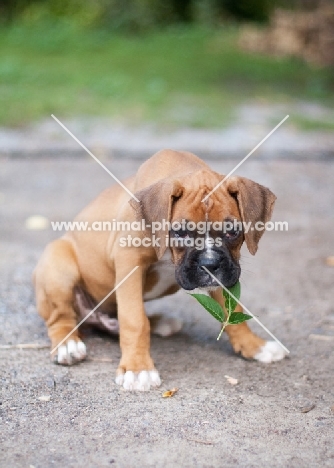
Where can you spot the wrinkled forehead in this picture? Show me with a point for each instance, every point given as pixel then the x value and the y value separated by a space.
pixel 217 207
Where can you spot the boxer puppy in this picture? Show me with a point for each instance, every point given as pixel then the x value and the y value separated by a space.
pixel 80 269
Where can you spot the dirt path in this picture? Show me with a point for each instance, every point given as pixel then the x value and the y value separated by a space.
pixel 252 122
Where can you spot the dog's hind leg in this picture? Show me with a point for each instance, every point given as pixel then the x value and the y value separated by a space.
pixel 55 278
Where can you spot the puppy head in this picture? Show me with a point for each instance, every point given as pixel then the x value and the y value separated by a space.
pixel 180 203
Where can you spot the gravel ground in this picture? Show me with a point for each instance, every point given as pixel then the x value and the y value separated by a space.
pixel 89 421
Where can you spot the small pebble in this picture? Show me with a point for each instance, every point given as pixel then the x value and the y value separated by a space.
pixel 44 398
pixel 50 382
pixel 37 223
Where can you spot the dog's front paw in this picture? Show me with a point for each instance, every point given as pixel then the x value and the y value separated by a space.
pixel 142 381
pixel 70 353
pixel 270 352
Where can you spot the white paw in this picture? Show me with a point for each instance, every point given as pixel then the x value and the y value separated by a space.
pixel 166 326
pixel 270 352
pixel 142 381
pixel 70 353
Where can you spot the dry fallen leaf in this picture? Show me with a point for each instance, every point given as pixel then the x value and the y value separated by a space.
pixel 44 398
pixel 169 393
pixel 330 261
pixel 332 408
pixel 307 409
pixel 231 380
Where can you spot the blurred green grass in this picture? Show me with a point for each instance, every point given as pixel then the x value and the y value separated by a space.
pixel 178 76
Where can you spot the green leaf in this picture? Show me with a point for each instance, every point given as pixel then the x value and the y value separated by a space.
pixel 230 302
pixel 211 306
pixel 236 290
pixel 238 317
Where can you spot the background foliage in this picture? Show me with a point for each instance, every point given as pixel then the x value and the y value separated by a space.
pixel 140 15
pixel 175 62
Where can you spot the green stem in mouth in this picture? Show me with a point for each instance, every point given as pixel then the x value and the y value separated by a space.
pixel 231 296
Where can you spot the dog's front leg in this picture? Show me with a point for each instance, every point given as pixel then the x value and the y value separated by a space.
pixel 244 341
pixel 136 370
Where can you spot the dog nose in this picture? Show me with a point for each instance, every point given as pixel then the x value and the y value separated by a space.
pixel 209 260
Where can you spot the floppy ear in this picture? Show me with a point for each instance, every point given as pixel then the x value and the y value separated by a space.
pixel 256 203
pixel 155 205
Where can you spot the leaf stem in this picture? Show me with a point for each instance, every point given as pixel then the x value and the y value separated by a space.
pixel 225 323
pixel 230 306
pixel 222 330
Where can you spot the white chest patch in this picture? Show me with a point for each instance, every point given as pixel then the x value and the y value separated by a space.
pixel 165 270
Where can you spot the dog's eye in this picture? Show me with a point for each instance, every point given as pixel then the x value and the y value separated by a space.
pixel 180 233
pixel 232 234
